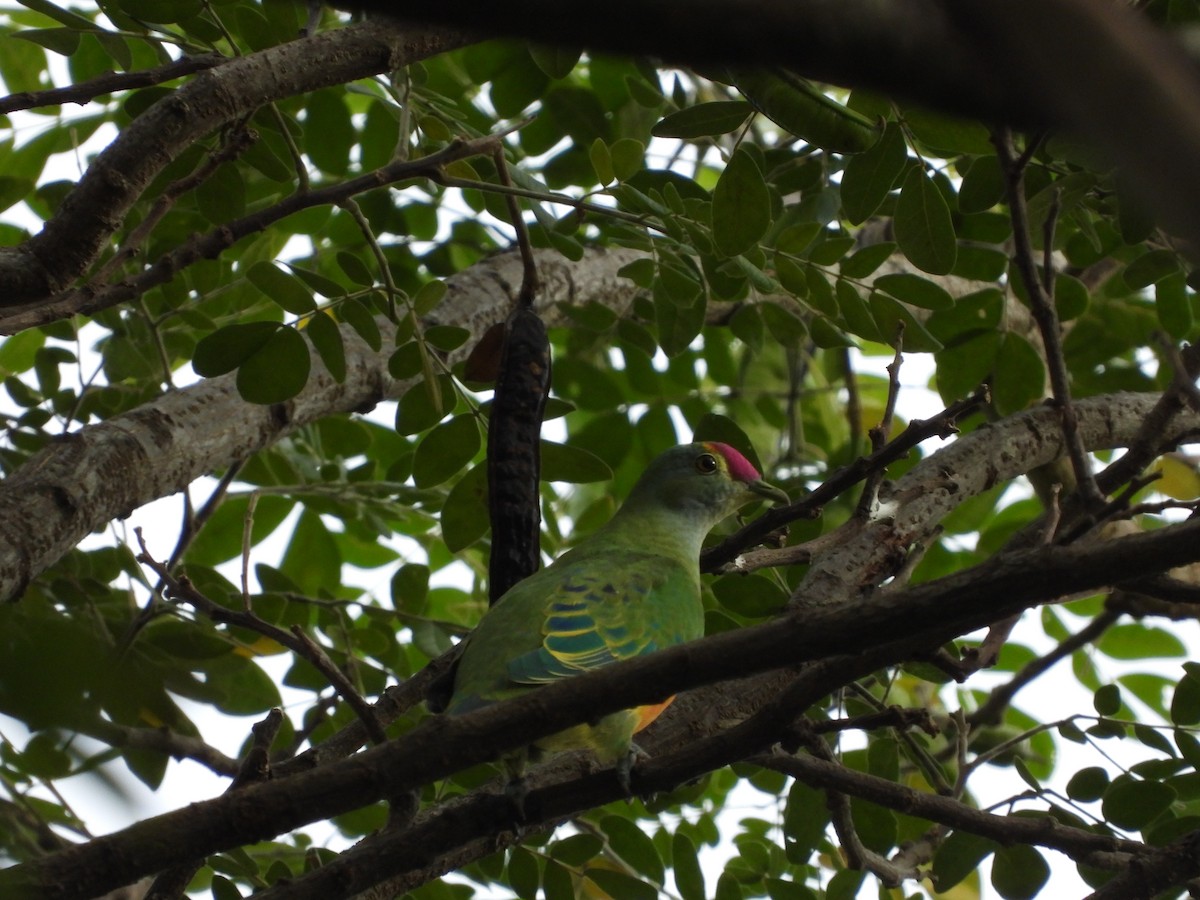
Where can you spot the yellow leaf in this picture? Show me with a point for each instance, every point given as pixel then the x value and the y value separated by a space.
pixel 1179 480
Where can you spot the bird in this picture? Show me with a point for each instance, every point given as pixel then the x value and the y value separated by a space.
pixel 628 589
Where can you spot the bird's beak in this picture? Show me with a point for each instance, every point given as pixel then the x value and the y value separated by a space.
pixel 767 491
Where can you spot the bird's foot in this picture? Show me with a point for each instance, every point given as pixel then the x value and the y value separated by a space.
pixel 515 792
pixel 624 768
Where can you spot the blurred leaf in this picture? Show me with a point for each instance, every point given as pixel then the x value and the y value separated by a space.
pixel 285 289
pixel 923 227
pixel 445 450
pixel 1133 804
pixel 277 370
pixel 870 176
pixel 1019 376
pixel 704 119
pixel 741 210
pixel 1019 872
pixel 960 855
pixel 689 879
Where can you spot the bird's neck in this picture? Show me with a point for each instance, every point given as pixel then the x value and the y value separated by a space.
pixel 654 528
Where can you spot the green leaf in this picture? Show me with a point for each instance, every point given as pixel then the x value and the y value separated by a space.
pixel 1172 304
pixel 575 465
pixel 1185 702
pixel 421 408
pixel 228 347
pixel 628 157
pixel 923 227
pixel 523 873
pixel 326 337
pixel 1138 641
pixel 804 821
pixel 704 119
pixel 863 262
pixel 1088 784
pixel 557 882
pixel 282 287
pixel 161 12
pixel 1019 377
pixel 751 596
pixel 222 196
pixel 329 134
pixel 689 879
pixel 354 312
pixel 464 515
pixel 889 314
pixel 958 856
pixel 1133 804
pixel 577 849
pixel 618 884
pixel 17 353
pixel 963 367
pixel 410 588
pixel 870 176
pixel 1071 297
pixel 915 290
pixel 1150 268
pixel 983 186
pixel 63 41
pixel 1107 700
pixel 797 105
pixel 1019 872
pixel 601 161
pixel 556 62
pixel 355 269
pixel 312 561
pixel 445 450
pixel 741 205
pixel 428 297
pixel 276 371
pixel 633 846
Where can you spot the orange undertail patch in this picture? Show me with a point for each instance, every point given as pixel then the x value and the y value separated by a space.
pixel 647 714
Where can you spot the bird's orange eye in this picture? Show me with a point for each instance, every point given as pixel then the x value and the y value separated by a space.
pixel 706 464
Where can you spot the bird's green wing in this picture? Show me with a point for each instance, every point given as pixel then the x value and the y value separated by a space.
pixel 592 619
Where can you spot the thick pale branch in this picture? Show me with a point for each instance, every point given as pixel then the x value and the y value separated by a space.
pixel 77 484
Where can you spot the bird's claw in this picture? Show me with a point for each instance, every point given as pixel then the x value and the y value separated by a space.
pixel 515 792
pixel 624 767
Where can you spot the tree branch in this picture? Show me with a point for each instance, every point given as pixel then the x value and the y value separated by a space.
pixel 88 217
pixel 861 633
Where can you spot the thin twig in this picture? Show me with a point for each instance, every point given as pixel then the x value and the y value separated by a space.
pixel 109 83
pixel 1045 316
pixel 247 542
pixel 89 300
pixel 1077 843
pixel 1147 444
pixel 181 588
pixel 853 400
pixel 942 425
pixel 529 275
pixel 991 712
pixel 858 856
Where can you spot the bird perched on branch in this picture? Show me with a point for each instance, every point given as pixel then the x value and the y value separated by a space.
pixel 630 588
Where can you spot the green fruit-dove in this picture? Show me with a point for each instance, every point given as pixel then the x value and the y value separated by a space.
pixel 630 588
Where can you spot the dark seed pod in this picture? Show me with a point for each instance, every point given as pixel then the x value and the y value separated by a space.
pixel 514 458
